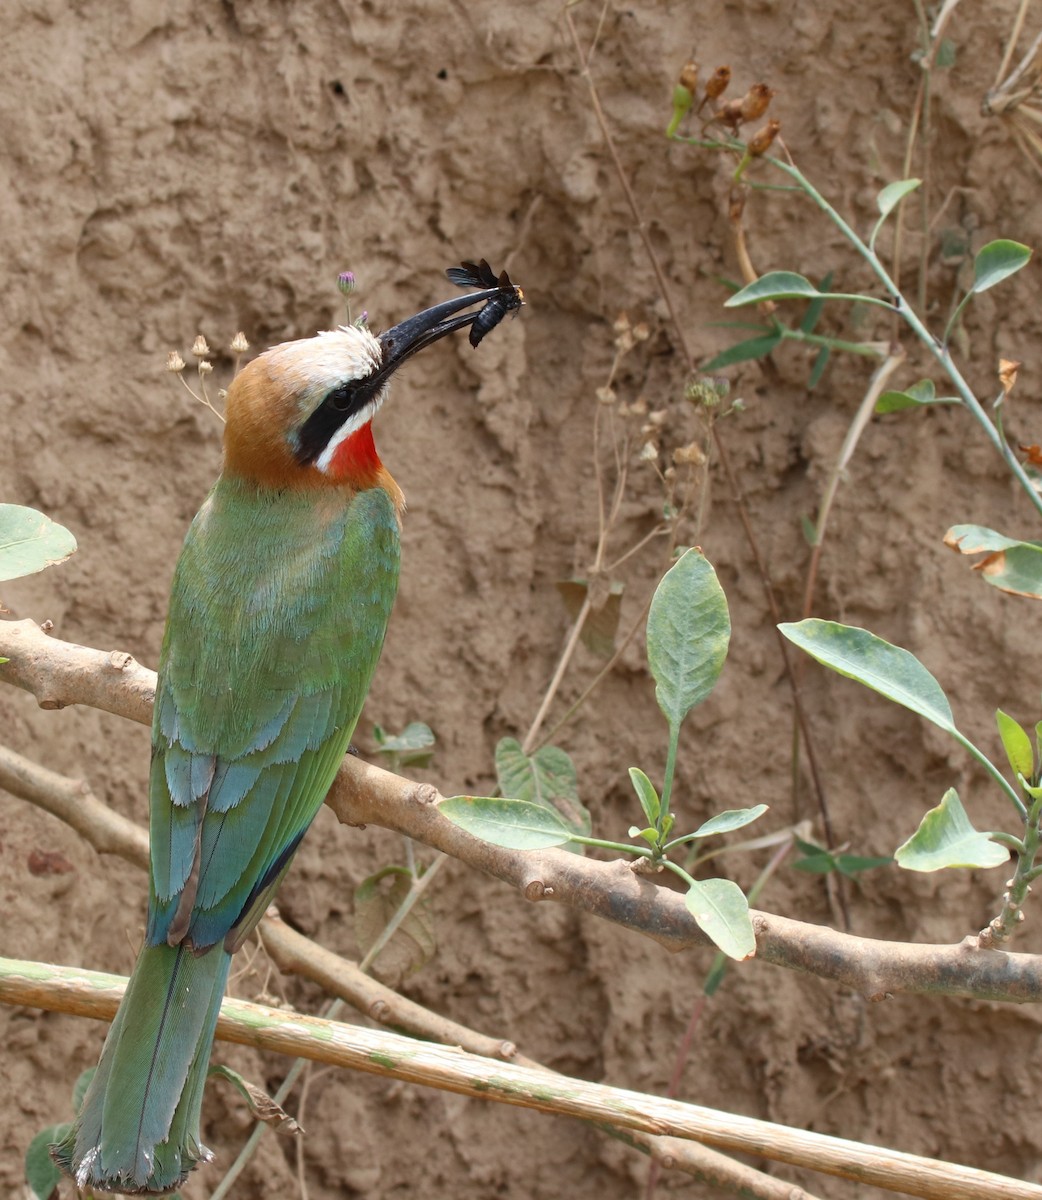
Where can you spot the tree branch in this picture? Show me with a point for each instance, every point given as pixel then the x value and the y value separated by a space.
pixel 108 832
pixel 92 994
pixel 60 673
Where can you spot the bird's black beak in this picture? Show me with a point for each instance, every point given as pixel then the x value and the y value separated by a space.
pixel 403 340
pixel 497 298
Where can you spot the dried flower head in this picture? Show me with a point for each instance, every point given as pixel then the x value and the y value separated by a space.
pixel 205 368
pixel 691 453
pixel 239 343
pixel 605 395
pixel 649 452
pixel 761 140
pixel 199 347
pixel 689 76
pixel 717 83
pixel 174 362
pixel 755 101
pixel 707 391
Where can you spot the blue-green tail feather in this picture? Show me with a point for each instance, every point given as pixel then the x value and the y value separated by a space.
pixel 138 1128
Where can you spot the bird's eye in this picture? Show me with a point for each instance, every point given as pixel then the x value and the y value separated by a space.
pixel 340 398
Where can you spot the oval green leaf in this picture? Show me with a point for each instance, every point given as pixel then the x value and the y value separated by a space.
pixel 1016 743
pixel 41 1174
pixel 721 911
pixel 29 541
pixel 997 261
pixel 688 632
pixel 547 778
pixel 917 395
pixel 732 819
pixel 646 794
pixel 746 351
pixel 775 285
pixel 513 824
pixel 946 838
pixel 887 669
pixel 892 195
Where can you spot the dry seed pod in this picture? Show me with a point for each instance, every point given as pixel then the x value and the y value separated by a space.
pixel 689 76
pixel 716 85
pixel 761 141
pixel 755 101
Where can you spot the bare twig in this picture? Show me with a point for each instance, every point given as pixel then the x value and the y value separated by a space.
pixel 725 463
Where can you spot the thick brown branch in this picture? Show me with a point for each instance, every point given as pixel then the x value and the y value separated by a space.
pixel 67 674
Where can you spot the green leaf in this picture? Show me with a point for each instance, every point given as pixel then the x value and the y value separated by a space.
pixel 646 794
pixel 1010 565
pixel 41 1174
pixel 721 911
pixel 29 541
pixel 816 307
pixel 916 396
pixel 892 195
pixel 413 747
pixel 688 632
pixel 818 369
pixel 817 860
pixel 649 834
pixel 79 1088
pixel 945 838
pixel 853 864
pixel 416 736
pixel 546 777
pixel 1017 745
pixel 513 824
pixel 729 821
pixel 945 56
pixel 775 285
pixel 377 901
pixel 887 669
pixel 751 348
pixel 997 261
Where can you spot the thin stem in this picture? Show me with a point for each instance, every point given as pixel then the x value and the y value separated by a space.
pixel 939 351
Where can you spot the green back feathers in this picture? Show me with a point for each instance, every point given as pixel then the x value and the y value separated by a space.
pixel 278 611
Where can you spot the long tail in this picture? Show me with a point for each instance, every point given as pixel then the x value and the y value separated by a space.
pixel 138 1128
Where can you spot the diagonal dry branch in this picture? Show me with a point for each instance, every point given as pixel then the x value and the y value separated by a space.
pixel 90 993
pixel 60 673
pixel 108 832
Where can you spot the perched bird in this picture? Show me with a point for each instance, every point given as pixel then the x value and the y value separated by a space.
pixel 279 605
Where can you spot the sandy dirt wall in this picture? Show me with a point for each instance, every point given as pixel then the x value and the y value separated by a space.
pixel 171 168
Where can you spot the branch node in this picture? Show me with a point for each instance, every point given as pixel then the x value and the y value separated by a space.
pixel 50 704
pixel 380 1010
pixel 120 660
pixel 507 1050
pixel 536 890
pixel 424 793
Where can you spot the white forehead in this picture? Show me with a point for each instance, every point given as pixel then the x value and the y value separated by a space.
pixel 317 364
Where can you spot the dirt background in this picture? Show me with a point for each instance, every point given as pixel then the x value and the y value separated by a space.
pixel 171 168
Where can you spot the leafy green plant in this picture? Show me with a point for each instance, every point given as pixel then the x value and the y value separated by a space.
pixel 945 837
pixel 42 1177
pixel 688 631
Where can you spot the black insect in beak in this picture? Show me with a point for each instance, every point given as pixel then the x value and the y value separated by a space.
pixel 501 296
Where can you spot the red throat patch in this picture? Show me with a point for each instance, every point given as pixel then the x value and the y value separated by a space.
pixel 355 459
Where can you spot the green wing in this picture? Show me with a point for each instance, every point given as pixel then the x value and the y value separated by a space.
pixel 277 617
